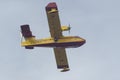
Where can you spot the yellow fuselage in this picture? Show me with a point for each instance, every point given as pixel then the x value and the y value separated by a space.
pixel 66 42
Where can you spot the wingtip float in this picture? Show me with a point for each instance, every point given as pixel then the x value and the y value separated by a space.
pixel 57 41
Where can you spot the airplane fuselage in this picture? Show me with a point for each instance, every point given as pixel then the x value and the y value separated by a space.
pixel 66 42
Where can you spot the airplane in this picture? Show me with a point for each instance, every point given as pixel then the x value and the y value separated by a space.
pixel 57 41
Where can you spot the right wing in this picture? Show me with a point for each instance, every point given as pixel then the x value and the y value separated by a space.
pixel 61 58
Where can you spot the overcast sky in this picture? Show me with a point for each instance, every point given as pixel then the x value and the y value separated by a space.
pixel 97 21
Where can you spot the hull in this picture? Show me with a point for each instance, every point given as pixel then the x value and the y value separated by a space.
pixel 63 45
pixel 64 42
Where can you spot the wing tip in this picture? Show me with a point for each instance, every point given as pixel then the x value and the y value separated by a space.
pixel 65 70
pixel 51 5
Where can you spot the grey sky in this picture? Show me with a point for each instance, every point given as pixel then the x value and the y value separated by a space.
pixel 98 21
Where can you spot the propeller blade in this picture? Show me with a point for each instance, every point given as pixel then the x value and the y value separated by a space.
pixel 69 28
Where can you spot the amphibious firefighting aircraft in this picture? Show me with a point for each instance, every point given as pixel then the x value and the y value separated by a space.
pixel 57 41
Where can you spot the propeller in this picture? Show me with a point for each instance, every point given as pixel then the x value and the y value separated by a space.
pixel 69 28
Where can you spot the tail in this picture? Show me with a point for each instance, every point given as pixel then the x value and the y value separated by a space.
pixel 27 34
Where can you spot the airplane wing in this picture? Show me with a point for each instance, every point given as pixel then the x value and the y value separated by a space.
pixel 61 58
pixel 56 33
pixel 53 20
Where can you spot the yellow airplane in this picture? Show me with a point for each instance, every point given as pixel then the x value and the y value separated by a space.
pixel 57 41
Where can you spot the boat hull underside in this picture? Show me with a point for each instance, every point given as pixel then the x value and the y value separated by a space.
pixel 63 45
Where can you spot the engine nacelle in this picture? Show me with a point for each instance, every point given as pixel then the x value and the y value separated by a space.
pixel 65 28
